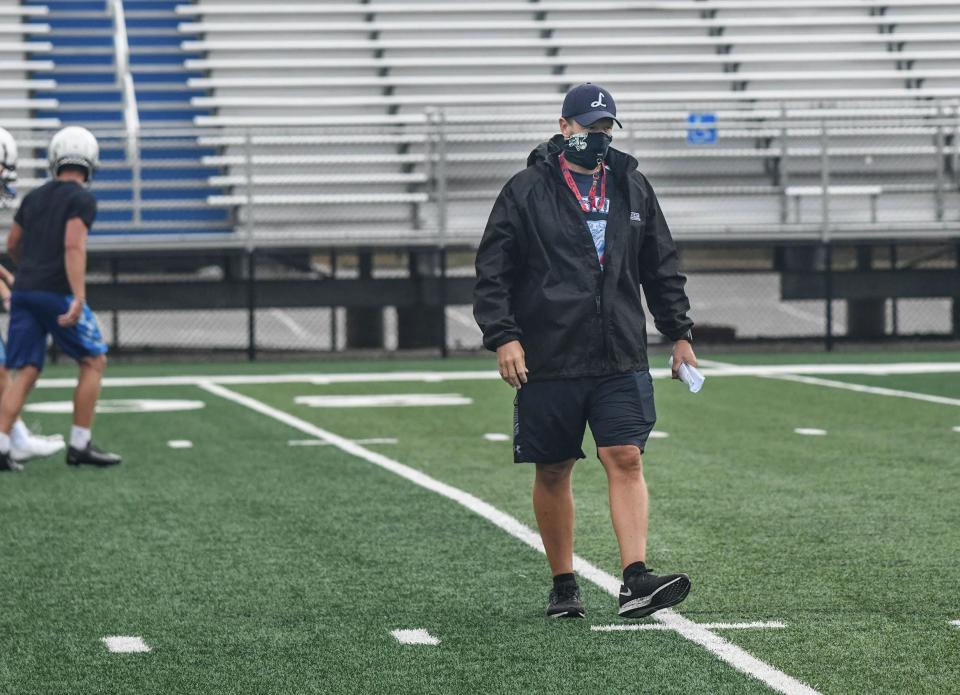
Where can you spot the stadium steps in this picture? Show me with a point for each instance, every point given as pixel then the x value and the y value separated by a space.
pixel 175 185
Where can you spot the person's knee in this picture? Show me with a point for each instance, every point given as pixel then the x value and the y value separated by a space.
pixel 29 374
pixel 623 461
pixel 553 475
pixel 96 364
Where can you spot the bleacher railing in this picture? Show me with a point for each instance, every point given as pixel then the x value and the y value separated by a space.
pixel 723 175
pixel 121 46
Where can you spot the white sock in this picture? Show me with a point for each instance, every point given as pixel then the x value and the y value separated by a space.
pixel 79 437
pixel 4 443
pixel 19 434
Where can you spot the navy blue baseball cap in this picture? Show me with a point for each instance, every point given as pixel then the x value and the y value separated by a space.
pixel 587 103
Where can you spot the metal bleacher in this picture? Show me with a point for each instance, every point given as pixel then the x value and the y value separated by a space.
pixel 396 121
pixel 248 145
pixel 382 91
pixel 20 74
pixel 116 68
pixel 403 56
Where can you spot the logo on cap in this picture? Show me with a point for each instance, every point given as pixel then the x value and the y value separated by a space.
pixel 588 102
pixel 598 102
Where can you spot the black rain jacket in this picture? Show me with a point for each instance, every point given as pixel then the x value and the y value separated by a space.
pixel 539 280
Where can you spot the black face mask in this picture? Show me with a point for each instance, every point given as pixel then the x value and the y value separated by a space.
pixel 587 149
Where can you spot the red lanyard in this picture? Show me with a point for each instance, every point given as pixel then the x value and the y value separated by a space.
pixel 598 203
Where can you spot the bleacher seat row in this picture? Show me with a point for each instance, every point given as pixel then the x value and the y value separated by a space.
pixel 291 107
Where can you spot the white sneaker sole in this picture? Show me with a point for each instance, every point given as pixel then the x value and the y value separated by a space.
pixel 43 450
pixel 645 605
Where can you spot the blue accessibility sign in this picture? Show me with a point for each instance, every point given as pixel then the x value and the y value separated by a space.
pixel 702 129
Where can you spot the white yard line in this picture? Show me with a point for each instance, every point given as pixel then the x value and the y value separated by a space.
pixel 714 368
pixel 955 622
pixel 120 644
pixel 496 437
pixel 388 400
pixel 810 431
pixel 876 390
pixel 737 657
pixel 320 442
pixel 418 636
pixel 788 374
pixel 709 369
pixel 256 379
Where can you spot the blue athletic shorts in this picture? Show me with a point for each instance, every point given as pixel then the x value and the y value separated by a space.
pixel 33 316
pixel 550 417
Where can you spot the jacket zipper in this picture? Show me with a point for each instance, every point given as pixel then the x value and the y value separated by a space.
pixel 598 297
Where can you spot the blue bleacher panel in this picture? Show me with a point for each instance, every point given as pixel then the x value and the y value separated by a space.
pixel 87 90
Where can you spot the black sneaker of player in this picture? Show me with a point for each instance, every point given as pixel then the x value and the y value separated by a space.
pixel 565 601
pixel 8 464
pixel 647 593
pixel 91 456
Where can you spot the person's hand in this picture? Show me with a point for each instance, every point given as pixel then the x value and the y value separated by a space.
pixel 682 354
pixel 6 304
pixel 510 360
pixel 73 313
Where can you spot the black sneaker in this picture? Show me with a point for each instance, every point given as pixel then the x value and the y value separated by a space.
pixel 565 602
pixel 647 593
pixel 91 456
pixel 8 464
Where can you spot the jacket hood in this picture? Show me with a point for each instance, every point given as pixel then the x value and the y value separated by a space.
pixel 619 162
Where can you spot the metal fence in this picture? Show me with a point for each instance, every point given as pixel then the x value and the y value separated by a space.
pixel 814 222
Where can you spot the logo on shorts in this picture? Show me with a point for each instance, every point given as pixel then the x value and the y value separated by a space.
pixel 635 217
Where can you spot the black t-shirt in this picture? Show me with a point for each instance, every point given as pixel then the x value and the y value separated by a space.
pixel 43 215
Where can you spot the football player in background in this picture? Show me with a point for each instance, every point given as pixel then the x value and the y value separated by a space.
pixel 48 242
pixel 24 445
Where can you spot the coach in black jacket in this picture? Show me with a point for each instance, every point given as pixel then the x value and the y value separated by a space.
pixel 569 243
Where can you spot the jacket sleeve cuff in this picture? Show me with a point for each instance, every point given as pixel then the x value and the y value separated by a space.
pixel 684 335
pixel 499 340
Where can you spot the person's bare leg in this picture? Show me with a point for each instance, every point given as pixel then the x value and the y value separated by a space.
pixel 553 506
pixel 628 500
pixel 88 390
pixel 15 395
pixel 82 451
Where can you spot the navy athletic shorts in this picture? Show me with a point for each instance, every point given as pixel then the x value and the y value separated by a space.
pixel 33 316
pixel 550 417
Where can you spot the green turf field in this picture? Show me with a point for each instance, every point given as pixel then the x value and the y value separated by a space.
pixel 250 565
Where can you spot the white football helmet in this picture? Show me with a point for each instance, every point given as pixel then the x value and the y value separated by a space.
pixel 76 146
pixel 8 165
